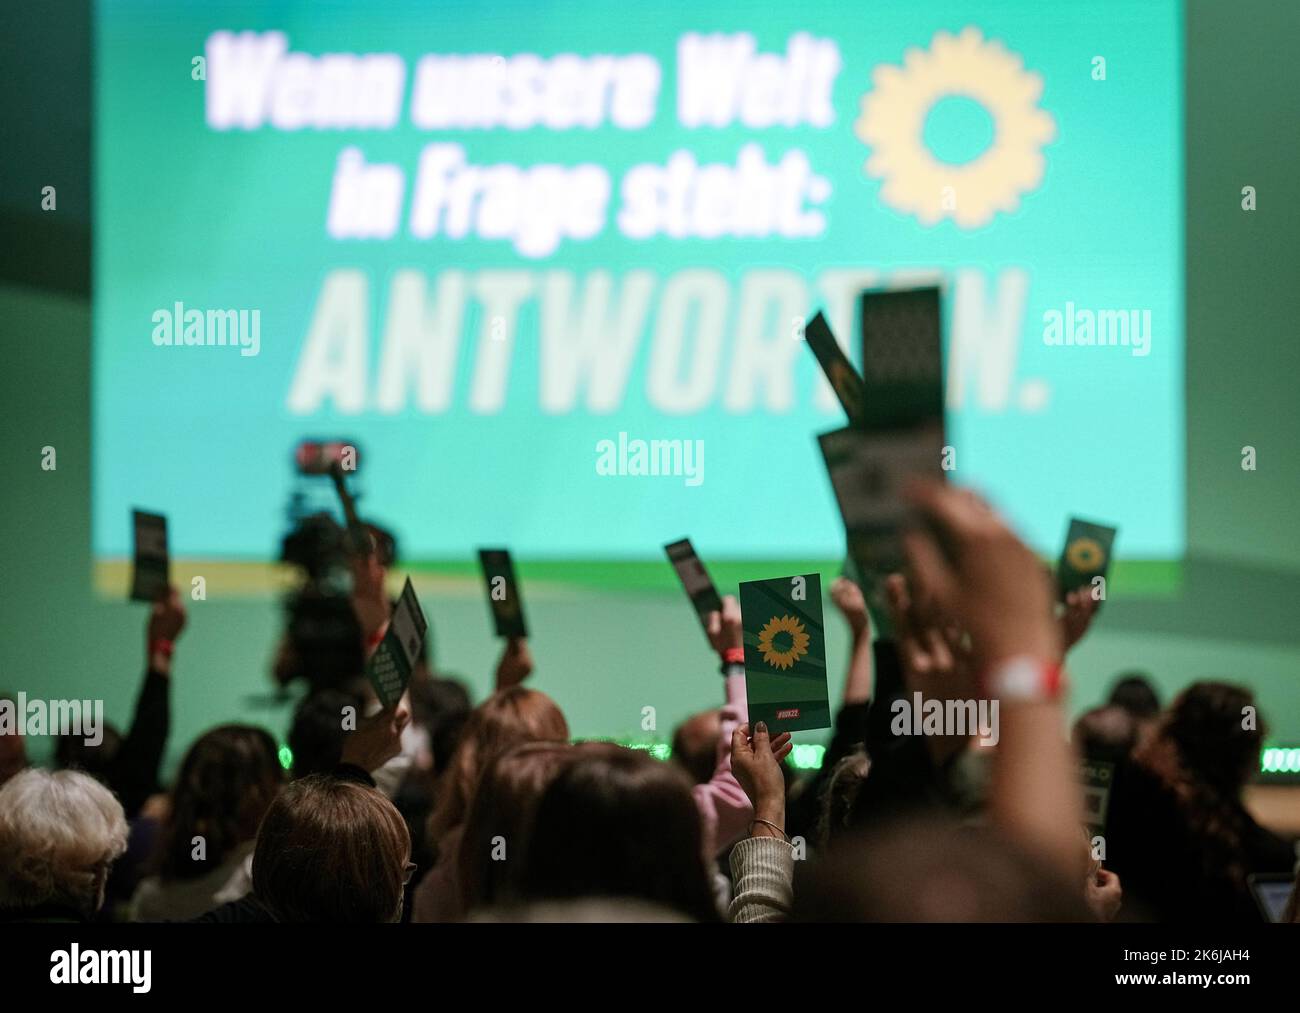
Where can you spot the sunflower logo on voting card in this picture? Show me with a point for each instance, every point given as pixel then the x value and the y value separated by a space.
pixel 1085 554
pixel 783 641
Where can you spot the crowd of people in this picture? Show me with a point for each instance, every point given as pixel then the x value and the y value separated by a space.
pixel 438 811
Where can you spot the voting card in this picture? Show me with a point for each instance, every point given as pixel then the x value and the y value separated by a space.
pixel 390 666
pixel 841 374
pixel 902 358
pixel 151 573
pixel 503 592
pixel 695 579
pixel 868 473
pixel 785 653
pixel 1086 555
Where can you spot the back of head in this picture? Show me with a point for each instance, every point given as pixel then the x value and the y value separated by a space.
pixel 72 752
pixel 331 851
pixel 59 833
pixel 317 734
pixel 225 784
pixel 1134 692
pixel 617 823
pixel 1208 730
pixel 931 871
pixel 500 820
pixel 695 744
pixel 1105 734
pixel 504 720
pixel 443 706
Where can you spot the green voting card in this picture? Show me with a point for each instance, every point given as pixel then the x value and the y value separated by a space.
pixel 150 575
pixel 843 378
pixel 503 592
pixel 389 668
pixel 785 653
pixel 1086 555
pixel 695 579
pixel 868 472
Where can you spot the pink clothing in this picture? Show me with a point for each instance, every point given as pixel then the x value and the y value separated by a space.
pixel 725 809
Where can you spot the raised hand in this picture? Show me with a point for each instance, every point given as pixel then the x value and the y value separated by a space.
pixel 377 739
pixel 988 580
pixel 1080 609
pixel 1104 894
pixel 516 663
pixel 724 628
pixel 848 598
pixel 166 621
pixel 166 617
pixel 756 764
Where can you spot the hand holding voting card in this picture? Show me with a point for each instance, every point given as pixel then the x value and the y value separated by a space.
pixel 695 579
pixel 503 592
pixel 785 653
pixel 1086 555
pixel 389 668
pixel 151 573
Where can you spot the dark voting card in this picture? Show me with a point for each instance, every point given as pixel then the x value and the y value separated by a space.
pixel 785 653
pixel 503 592
pixel 1086 555
pixel 868 472
pixel 902 358
pixel 1097 777
pixel 843 378
pixel 151 573
pixel 695 579
pixel 389 668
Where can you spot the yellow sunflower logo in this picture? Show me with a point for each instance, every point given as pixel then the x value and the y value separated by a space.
pixel 1085 554
pixel 783 641
pixel 893 119
pixel 845 389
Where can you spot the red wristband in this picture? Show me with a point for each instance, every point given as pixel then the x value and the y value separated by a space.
pixel 1025 679
pixel 733 656
pixel 163 647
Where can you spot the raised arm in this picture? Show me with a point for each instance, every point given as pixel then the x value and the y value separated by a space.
pixel 725 810
pixel 990 582
pixel 134 772
pixel 762 865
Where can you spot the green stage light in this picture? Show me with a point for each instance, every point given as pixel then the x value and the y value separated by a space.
pixel 807 757
pixel 1280 760
pixel 286 756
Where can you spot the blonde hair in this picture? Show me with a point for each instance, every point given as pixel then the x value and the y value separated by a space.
pixel 59 832
pixel 508 718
